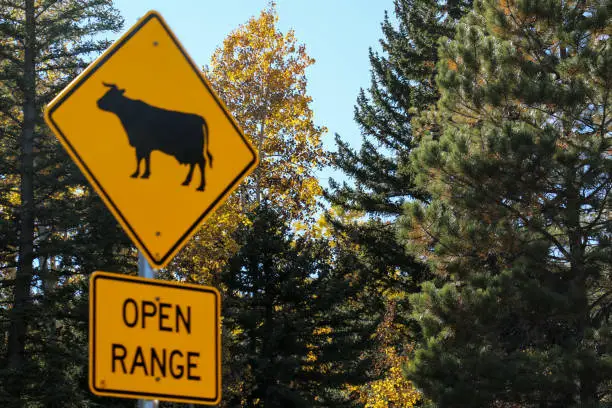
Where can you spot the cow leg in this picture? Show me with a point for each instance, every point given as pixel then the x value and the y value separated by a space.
pixel 189 175
pixel 147 172
pixel 138 160
pixel 202 180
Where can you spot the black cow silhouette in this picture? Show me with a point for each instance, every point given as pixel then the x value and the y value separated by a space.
pixel 179 134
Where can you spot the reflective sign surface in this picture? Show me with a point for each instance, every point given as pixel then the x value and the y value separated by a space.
pixel 152 137
pixel 154 339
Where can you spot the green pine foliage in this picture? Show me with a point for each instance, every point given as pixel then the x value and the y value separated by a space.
pixel 381 180
pixel 54 230
pixel 294 327
pixel 518 225
pixel 402 85
pixel 380 177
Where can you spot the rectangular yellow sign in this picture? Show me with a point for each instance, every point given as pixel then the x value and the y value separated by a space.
pixel 154 339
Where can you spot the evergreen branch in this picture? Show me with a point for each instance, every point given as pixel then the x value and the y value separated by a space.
pixel 542 231
pixel 7 17
pixel 45 8
pixel 72 53
pixel 602 209
pixel 12 83
pixel 9 32
pixel 10 116
pixel 601 299
pixel 52 91
pixel 538 43
pixel 4 54
pixel 69 14
pixel 12 264
pixel 435 240
pixel 581 4
pixel 606 182
pixel 74 66
pixel 565 121
pixel 12 5
pixel 513 210
pixel 603 118
pixel 7 283
pixel 464 104
pixel 11 133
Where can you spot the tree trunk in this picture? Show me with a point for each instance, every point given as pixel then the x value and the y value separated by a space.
pixel 23 278
pixel 267 382
pixel 587 374
pixel 260 142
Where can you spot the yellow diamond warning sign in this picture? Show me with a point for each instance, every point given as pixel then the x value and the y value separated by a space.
pixel 152 137
pixel 154 339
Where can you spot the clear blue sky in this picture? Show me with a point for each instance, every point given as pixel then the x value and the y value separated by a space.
pixel 337 33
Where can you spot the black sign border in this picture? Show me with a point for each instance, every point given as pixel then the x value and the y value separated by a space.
pixel 146 395
pixel 114 48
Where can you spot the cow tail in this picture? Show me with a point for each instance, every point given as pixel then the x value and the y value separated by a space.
pixel 206 135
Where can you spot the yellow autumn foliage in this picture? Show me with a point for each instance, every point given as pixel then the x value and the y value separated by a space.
pixel 393 390
pixel 259 74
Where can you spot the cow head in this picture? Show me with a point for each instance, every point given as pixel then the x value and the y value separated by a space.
pixel 113 99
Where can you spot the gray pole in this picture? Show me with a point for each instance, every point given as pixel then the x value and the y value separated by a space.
pixel 145 271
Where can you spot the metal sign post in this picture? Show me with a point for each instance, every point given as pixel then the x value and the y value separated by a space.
pixel 144 268
pixel 145 271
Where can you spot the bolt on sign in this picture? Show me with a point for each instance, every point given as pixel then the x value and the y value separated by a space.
pixel 154 339
pixel 152 137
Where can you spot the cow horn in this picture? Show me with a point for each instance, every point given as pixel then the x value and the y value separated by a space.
pixel 109 85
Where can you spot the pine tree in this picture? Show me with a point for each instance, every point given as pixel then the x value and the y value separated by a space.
pixel 402 86
pixel 294 325
pixel 50 236
pixel 518 225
